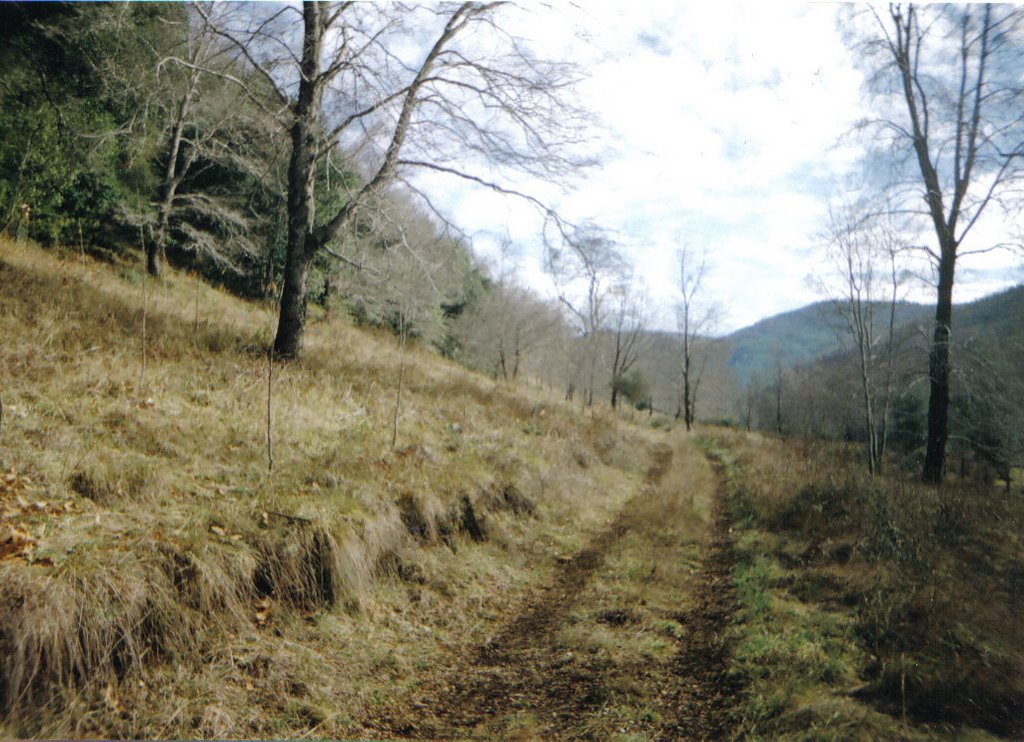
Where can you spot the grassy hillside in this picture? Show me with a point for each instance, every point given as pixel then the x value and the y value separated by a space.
pixel 158 579
pixel 509 568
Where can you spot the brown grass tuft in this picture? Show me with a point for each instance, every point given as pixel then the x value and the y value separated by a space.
pixel 58 633
pixel 299 563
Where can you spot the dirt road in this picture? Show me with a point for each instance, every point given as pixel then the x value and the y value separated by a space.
pixel 626 638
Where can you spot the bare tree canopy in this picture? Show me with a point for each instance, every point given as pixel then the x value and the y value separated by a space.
pixel 508 328
pixel 626 326
pixel 441 88
pixel 586 266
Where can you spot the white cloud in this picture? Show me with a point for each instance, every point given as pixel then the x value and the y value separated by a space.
pixel 721 123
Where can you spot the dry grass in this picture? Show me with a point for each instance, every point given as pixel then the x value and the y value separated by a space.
pixel 862 596
pixel 147 545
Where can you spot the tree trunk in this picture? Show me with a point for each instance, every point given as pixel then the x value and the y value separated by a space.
pixel 292 321
pixel 502 366
pixel 890 365
pixel 778 404
pixel 402 335
pixel 517 355
pixel 169 187
pixel 301 177
pixel 292 324
pixel 154 256
pixel 938 371
pixel 864 348
pixel 687 398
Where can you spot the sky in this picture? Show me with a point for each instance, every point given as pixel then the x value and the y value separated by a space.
pixel 722 128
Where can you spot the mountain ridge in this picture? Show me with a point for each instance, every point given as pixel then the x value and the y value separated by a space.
pixel 753 354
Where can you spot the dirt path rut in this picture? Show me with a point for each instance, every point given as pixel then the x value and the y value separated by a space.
pixel 537 680
pixel 706 693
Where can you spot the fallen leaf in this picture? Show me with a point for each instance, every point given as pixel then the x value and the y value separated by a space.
pixel 110 697
pixel 263 608
pixel 15 541
pixel 218 530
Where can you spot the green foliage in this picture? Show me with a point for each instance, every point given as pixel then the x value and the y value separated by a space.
pixel 634 387
pixel 987 408
pixel 86 140
pixel 908 422
pixel 58 152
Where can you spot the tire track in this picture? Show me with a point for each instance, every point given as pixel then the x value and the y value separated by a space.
pixel 523 670
pixel 703 700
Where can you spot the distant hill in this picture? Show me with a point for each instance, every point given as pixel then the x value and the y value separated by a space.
pixel 817 330
pixel 803 336
pixel 797 337
pixel 997 315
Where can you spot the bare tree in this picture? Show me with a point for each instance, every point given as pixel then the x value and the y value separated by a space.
pixel 585 267
pixel 475 94
pixel 407 269
pixel 953 70
pixel 694 321
pixel 182 90
pixel 746 402
pixel 201 126
pixel 501 329
pixel 403 269
pixel 181 118
pixel 866 255
pixel 777 384
pixel 500 333
pixel 626 327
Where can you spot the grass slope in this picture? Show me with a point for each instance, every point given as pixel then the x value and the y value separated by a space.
pixel 157 580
